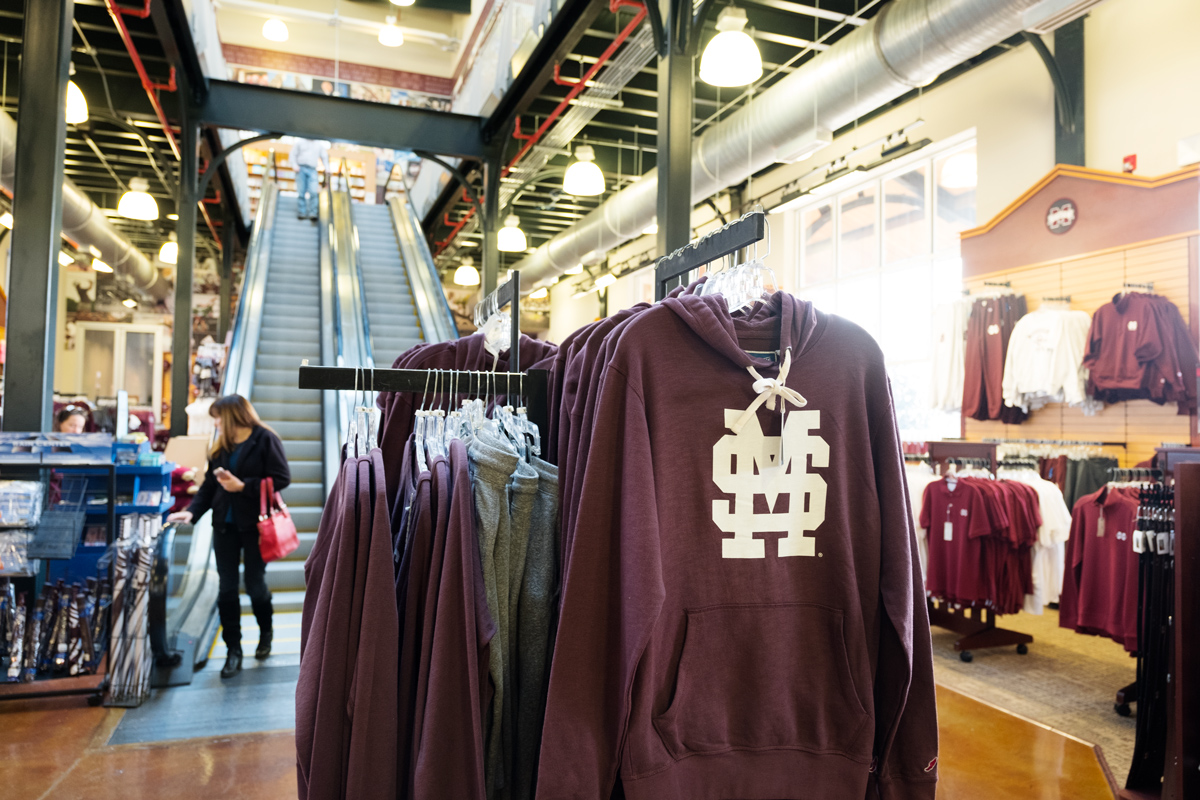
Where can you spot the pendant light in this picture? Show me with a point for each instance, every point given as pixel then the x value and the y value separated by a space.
pixel 511 239
pixel 275 30
pixel 390 35
pixel 960 171
pixel 731 57
pixel 137 202
pixel 403 2
pixel 584 178
pixel 6 219
pixel 169 252
pixel 100 266
pixel 77 109
pixel 466 275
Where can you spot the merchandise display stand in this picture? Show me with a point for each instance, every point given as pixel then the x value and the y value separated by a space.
pixel 95 684
pixel 976 628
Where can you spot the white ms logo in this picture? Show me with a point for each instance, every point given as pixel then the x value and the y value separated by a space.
pixel 748 464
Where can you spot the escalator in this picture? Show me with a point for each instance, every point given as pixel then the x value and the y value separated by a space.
pixel 402 295
pixel 360 281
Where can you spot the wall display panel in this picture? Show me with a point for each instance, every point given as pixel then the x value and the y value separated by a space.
pixel 1091 281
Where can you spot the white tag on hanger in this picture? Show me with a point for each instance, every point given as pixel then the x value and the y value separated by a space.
pixel 1163 543
pixel 948 532
pixel 1139 541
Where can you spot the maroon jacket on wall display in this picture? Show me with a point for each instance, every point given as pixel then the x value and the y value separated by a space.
pixel 742 613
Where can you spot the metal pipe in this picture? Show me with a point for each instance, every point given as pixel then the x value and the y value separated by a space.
pixel 85 224
pixel 150 86
pixel 906 45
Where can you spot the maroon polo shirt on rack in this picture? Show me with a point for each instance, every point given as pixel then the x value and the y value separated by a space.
pixel 1105 564
pixel 956 520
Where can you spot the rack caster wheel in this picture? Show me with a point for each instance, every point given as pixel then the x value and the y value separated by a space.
pixel 966 657
pixel 94 700
pixel 1122 709
pixel 1022 649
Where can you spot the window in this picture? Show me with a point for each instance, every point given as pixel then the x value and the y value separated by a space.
pixel 884 253
pixel 118 357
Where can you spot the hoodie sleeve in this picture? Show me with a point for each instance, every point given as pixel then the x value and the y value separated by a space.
pixel 906 737
pixel 612 595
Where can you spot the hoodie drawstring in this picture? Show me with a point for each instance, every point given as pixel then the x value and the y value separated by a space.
pixel 768 390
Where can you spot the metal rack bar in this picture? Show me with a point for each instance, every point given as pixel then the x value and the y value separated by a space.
pixel 1058 442
pixel 727 239
pixel 533 385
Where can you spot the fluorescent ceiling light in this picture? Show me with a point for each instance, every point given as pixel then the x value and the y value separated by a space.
pixel 731 57
pixel 100 266
pixel 804 147
pixel 275 30
pixel 137 202
pixel 651 229
pixel 6 219
pixel 95 251
pixel 390 35
pixel 173 216
pixel 605 280
pixel 584 178
pixel 539 294
pixel 575 270
pixel 77 108
pixel 511 239
pixel 64 259
pixel 129 302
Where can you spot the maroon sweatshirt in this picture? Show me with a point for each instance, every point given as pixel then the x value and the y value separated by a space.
pixel 731 628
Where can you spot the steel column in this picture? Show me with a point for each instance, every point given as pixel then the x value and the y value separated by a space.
pixel 491 225
pixel 37 211
pixel 223 315
pixel 676 102
pixel 181 347
pixel 1069 135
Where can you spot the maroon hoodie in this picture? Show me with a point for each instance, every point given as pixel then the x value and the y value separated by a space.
pixel 731 628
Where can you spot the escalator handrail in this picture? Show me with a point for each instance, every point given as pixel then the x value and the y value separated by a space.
pixel 330 342
pixel 239 368
pixel 433 309
pixel 353 345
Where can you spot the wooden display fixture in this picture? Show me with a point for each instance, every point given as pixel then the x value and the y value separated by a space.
pixel 1126 229
pixel 360 166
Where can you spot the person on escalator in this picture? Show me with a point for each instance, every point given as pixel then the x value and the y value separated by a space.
pixel 245 453
pixel 307 155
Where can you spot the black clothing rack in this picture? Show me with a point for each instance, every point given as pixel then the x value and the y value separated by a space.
pixel 533 385
pixel 727 239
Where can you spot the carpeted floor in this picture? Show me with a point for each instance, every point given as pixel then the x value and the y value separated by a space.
pixel 1067 681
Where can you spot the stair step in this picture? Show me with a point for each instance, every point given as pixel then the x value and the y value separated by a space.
pixel 285 576
pixel 307 518
pixel 302 349
pixel 280 393
pixel 295 430
pixel 292 412
pixel 301 449
pixel 306 471
pixel 304 494
pixel 284 602
pixel 279 362
pixel 281 377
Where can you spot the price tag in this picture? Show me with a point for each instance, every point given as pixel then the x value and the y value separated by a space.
pixel 1100 527
pixel 948 532
pixel 1163 544
pixel 1139 541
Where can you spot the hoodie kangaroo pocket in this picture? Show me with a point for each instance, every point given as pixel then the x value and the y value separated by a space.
pixel 760 677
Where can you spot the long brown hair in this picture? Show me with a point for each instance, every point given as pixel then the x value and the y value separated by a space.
pixel 234 411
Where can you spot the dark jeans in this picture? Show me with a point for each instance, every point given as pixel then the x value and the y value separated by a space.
pixel 229 544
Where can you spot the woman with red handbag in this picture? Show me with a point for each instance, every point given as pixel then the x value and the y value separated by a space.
pixel 246 453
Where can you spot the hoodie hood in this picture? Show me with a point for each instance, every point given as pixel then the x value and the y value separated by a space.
pixel 779 323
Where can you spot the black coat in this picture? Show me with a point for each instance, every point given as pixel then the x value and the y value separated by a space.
pixel 261 457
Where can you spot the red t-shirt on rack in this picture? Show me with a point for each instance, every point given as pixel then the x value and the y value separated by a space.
pixel 957 520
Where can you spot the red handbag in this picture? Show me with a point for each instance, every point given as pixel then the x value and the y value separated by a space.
pixel 276 531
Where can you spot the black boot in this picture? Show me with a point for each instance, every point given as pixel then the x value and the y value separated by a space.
pixel 264 611
pixel 264 644
pixel 233 664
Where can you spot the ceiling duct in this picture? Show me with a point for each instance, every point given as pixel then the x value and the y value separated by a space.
pixel 85 224
pixel 906 45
